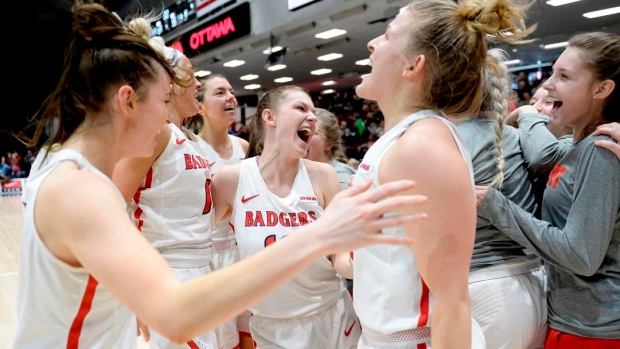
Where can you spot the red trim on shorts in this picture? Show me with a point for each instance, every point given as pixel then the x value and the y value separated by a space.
pixel 148 182
pixel 555 339
pixel 422 346
pixel 87 301
pixel 245 334
pixel 424 306
pixel 193 345
pixel 232 226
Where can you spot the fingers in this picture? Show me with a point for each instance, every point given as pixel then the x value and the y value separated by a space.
pixel 609 145
pixel 356 189
pixel 397 221
pixel 611 129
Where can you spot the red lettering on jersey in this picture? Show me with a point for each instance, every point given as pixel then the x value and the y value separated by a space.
pixel 365 166
pixel 259 221
pixel 307 198
pixel 293 219
pixel 272 219
pixel 554 177
pixel 303 218
pixel 312 216
pixel 270 240
pixel 249 219
pixel 188 162
pixel 284 220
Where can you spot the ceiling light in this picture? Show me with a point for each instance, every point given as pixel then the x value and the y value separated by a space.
pixel 320 71
pixel 202 73
pixel 326 92
pixel 283 79
pixel 560 2
pixel 273 49
pixel 330 33
pixel 514 61
pixel 363 62
pixel 330 57
pixel 556 45
pixel 276 67
pixel 249 77
pixel 601 13
pixel 328 83
pixel 234 63
pixel 251 87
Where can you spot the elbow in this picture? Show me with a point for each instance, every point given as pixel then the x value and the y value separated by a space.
pixel 177 331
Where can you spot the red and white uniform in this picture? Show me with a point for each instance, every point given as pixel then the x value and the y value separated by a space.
pixel 392 301
pixel 173 208
pixel 225 250
pixel 61 306
pixel 314 308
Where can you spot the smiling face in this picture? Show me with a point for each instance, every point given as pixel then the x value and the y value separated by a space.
pixel 541 102
pixel 293 122
pixel 571 88
pixel 151 115
pixel 218 101
pixel 184 98
pixel 387 61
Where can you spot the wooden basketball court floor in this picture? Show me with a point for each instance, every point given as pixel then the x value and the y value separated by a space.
pixel 11 219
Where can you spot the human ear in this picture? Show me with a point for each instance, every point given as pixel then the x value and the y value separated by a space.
pixel 268 117
pixel 125 100
pixel 414 70
pixel 604 90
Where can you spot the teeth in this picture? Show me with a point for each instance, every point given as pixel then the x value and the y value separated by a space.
pixel 552 99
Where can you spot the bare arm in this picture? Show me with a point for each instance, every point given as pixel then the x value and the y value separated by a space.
pixel 129 172
pixel 224 189
pixel 244 144
pixel 444 244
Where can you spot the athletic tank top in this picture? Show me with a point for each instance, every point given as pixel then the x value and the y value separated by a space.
pixel 389 293
pixel 173 207
pixel 223 236
pixel 58 305
pixel 261 218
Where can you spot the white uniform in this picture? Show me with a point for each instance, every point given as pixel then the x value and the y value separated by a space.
pixel 173 208
pixel 392 301
pixel 314 309
pixel 61 306
pixel 225 250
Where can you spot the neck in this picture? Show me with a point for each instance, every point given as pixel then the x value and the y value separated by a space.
pixel 216 135
pixel 98 144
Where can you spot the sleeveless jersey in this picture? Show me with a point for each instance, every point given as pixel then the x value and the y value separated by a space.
pixel 389 293
pixel 173 207
pixel 58 305
pixel 261 218
pixel 223 235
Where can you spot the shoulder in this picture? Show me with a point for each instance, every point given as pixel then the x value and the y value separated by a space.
pixel 317 168
pixel 244 144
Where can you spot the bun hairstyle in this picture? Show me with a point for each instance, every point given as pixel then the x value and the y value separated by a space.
pixel 142 27
pixel 102 54
pixel 453 38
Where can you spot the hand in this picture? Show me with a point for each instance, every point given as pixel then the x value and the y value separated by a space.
pixel 481 192
pixel 355 217
pixel 512 118
pixel 612 130
pixel 144 331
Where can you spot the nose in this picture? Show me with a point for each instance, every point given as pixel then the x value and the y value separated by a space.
pixel 198 84
pixel 371 45
pixel 548 85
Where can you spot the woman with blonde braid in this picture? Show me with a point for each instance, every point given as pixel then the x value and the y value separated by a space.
pixel 501 283
pixel 414 82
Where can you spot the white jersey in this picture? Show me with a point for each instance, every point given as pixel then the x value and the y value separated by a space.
pixel 173 207
pixel 389 293
pixel 261 218
pixel 223 235
pixel 58 305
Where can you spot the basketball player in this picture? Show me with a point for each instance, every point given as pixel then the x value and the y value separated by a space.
pixel 88 270
pixel 217 110
pixel 268 195
pixel 414 81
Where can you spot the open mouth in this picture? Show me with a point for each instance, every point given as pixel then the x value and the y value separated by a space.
pixel 557 104
pixel 231 108
pixel 304 134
